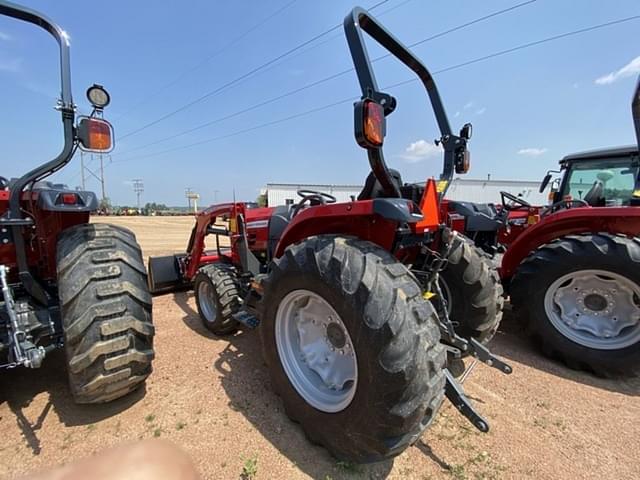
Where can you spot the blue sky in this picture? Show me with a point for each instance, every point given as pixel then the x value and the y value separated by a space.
pixel 528 108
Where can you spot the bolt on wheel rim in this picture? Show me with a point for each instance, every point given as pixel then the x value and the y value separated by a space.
pixel 595 308
pixel 207 303
pixel 316 351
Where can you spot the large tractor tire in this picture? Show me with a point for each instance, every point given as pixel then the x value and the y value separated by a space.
pixel 106 312
pixel 217 297
pixel 471 286
pixel 352 347
pixel 581 297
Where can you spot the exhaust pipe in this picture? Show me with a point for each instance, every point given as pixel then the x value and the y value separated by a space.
pixel 635 109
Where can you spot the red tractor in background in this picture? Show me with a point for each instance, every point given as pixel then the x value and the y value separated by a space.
pixel 65 282
pixel 572 268
pixel 339 291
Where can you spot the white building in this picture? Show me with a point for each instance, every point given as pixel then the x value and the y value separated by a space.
pixel 472 190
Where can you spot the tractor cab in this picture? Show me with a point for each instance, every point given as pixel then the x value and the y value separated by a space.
pixel 598 178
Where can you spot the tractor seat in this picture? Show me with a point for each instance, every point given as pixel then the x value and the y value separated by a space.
pixel 372 188
pixel 278 222
pixel 480 217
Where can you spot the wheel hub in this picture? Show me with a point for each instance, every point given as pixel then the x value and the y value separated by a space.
pixel 316 351
pixel 595 302
pixel 595 308
pixel 336 335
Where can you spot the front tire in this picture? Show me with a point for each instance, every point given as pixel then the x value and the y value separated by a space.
pixel 217 297
pixel 106 311
pixel 581 297
pixel 345 317
pixel 474 294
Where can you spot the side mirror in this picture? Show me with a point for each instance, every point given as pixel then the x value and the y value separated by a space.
pixel 370 123
pixel 94 135
pixel 545 182
pixel 466 131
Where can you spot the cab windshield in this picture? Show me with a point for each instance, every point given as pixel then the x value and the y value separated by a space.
pixel 618 178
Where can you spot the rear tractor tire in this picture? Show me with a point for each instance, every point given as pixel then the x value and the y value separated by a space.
pixel 352 347
pixel 471 286
pixel 581 297
pixel 106 312
pixel 217 297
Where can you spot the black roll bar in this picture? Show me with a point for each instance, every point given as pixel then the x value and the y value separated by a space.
pixel 13 217
pixel 354 23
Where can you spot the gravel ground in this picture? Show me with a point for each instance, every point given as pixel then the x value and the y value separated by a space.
pixel 212 397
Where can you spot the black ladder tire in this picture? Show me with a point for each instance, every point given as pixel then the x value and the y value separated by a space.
pixel 106 312
pixel 223 290
pixel 474 284
pixel 601 251
pixel 395 335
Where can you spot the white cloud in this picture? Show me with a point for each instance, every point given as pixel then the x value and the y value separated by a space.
pixel 11 65
pixel 468 105
pixel 532 152
pixel 420 150
pixel 480 111
pixel 5 36
pixel 457 114
pixel 629 70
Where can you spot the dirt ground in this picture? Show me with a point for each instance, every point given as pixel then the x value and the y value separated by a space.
pixel 212 397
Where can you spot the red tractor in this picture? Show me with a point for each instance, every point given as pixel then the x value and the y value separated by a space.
pixel 573 268
pixel 67 283
pixel 339 291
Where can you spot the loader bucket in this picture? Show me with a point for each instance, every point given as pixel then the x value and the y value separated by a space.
pixel 165 274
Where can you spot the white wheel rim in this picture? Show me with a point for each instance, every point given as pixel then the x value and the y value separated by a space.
pixel 316 351
pixel 595 308
pixel 207 303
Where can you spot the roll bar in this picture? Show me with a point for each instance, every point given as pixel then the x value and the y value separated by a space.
pixel 65 104
pixel 635 109
pixel 359 20
pixel 13 217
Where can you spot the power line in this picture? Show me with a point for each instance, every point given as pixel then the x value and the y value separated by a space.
pixel 208 58
pixel 238 79
pixel 388 87
pixel 328 78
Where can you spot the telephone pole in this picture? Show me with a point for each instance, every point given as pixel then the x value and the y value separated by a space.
pixel 102 178
pixel 138 187
pixel 82 169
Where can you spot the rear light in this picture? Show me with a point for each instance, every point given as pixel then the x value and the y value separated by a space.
pixel 369 124
pixel 94 134
pixel 69 198
pixel 463 162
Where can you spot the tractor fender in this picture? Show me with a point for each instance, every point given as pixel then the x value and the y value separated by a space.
pixel 374 220
pixel 574 221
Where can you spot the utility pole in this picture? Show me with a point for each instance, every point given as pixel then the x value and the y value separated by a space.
pixel 82 169
pixel 138 187
pixel 215 196
pixel 188 192
pixel 102 178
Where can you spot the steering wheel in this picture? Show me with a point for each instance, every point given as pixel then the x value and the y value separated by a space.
pixel 519 202
pixel 4 183
pixel 562 204
pixel 314 197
